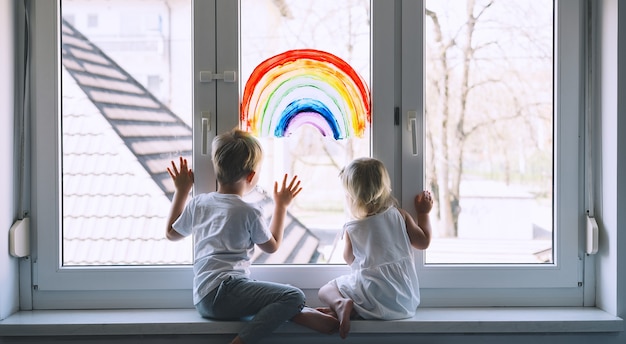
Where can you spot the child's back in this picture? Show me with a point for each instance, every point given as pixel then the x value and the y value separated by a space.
pixel 384 278
pixel 379 248
pixel 224 229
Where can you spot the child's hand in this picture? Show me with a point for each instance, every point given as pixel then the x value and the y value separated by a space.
pixel 287 193
pixel 183 178
pixel 423 202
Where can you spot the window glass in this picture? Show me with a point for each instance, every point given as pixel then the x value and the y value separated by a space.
pixel 455 284
pixel 489 130
pixel 305 93
pixel 126 112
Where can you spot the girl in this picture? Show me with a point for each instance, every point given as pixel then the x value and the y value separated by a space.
pixel 378 247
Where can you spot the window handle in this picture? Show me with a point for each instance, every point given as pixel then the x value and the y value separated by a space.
pixel 592 235
pixel 413 128
pixel 206 129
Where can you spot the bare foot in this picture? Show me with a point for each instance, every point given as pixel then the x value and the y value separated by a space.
pixel 237 340
pixel 344 313
pixel 316 320
pixel 327 310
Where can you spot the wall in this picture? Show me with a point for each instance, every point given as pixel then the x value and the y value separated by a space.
pixel 620 230
pixel 611 195
pixel 8 265
pixel 611 208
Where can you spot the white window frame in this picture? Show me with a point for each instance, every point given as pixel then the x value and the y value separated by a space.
pixel 550 284
pixel 395 82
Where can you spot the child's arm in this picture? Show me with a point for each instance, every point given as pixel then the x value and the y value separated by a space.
pixel 282 199
pixel 183 181
pixel 348 254
pixel 419 233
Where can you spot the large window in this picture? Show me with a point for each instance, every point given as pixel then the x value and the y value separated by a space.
pixel 489 117
pixel 466 98
pixel 125 112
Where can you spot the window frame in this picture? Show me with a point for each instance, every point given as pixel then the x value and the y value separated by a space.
pixel 395 48
pixel 568 209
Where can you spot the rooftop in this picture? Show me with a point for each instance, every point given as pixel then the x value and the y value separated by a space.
pixel 118 140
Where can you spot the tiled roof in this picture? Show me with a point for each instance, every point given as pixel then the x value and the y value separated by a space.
pixel 118 140
pixel 114 212
pixel 147 127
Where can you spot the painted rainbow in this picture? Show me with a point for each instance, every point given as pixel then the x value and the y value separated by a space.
pixel 305 86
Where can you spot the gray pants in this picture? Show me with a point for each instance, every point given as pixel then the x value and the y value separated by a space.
pixel 270 304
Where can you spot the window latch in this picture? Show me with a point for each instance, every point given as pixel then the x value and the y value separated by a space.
pixel 19 238
pixel 209 76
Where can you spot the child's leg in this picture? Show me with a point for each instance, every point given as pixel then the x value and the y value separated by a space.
pixel 270 304
pixel 330 295
pixel 316 320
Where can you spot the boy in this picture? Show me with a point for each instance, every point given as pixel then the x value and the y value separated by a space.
pixel 225 230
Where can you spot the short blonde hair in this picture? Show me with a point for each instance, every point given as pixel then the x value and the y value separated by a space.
pixel 235 154
pixel 368 187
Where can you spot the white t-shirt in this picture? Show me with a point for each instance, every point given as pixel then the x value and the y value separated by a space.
pixel 225 229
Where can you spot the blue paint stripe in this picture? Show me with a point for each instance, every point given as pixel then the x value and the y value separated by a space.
pixel 307 105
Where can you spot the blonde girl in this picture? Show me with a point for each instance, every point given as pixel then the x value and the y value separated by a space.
pixel 379 247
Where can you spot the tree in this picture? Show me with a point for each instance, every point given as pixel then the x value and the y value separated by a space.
pixel 478 85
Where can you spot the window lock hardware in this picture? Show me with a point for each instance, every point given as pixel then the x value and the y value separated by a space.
pixel 19 238
pixel 396 116
pixel 209 76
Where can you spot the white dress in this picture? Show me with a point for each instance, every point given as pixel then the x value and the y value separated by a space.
pixel 383 283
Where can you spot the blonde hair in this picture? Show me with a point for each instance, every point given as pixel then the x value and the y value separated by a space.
pixel 235 154
pixel 368 187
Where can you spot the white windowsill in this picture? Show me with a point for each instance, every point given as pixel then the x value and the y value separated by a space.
pixel 427 320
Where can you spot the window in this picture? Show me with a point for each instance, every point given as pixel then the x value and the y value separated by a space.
pixel 120 125
pixel 489 130
pixel 327 45
pixel 558 280
pixel 392 60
